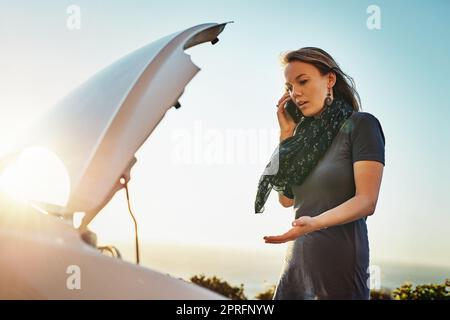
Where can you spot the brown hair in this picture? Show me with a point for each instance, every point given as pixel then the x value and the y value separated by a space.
pixel 344 87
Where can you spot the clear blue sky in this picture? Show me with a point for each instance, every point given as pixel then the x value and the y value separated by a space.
pixel 401 72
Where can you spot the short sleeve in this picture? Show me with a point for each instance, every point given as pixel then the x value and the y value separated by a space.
pixel 367 138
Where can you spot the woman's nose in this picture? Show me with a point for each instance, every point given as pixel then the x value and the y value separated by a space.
pixel 296 92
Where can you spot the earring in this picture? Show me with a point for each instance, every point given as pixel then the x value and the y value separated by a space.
pixel 328 99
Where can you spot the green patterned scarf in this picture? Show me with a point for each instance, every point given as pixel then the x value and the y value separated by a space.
pixel 296 156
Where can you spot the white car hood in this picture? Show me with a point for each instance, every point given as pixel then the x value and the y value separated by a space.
pixel 97 128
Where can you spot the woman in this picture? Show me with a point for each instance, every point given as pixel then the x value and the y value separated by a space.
pixel 329 169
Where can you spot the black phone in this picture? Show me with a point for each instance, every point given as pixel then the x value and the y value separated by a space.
pixel 293 111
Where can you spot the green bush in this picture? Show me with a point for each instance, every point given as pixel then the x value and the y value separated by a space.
pixel 382 294
pixel 222 287
pixel 266 295
pixel 423 292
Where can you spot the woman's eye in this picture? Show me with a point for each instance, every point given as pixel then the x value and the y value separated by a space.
pixel 302 82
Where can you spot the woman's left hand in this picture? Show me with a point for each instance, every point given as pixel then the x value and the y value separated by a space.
pixel 301 226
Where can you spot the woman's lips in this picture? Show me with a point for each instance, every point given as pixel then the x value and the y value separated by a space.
pixel 303 105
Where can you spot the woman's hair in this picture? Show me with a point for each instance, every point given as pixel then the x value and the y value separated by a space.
pixel 344 87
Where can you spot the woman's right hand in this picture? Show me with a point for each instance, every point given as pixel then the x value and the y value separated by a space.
pixel 287 124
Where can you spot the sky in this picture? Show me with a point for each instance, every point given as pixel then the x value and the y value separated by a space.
pixel 401 73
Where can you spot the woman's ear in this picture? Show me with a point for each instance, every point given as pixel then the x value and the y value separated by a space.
pixel 331 79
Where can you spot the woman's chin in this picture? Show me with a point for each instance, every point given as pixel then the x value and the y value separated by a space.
pixel 306 112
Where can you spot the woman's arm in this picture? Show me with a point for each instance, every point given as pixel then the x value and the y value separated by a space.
pixel 285 201
pixel 368 176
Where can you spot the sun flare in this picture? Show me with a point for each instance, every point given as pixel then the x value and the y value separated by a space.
pixel 37 175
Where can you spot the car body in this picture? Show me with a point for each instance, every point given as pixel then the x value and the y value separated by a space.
pixel 95 132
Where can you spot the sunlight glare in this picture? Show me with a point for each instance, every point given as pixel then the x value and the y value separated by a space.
pixel 37 175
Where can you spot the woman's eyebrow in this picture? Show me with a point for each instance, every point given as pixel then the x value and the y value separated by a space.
pixel 301 74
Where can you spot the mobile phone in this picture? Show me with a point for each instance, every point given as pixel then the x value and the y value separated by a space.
pixel 293 111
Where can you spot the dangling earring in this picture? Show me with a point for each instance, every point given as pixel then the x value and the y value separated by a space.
pixel 328 99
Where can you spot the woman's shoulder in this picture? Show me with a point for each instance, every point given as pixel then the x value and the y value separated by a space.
pixel 361 119
pixel 362 116
pixel 364 123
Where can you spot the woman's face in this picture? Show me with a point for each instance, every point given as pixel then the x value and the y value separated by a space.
pixel 307 87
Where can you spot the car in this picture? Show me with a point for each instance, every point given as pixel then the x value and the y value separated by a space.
pixel 93 134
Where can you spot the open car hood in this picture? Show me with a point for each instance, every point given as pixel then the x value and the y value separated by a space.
pixel 96 129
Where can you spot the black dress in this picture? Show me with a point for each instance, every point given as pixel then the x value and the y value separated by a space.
pixel 333 263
